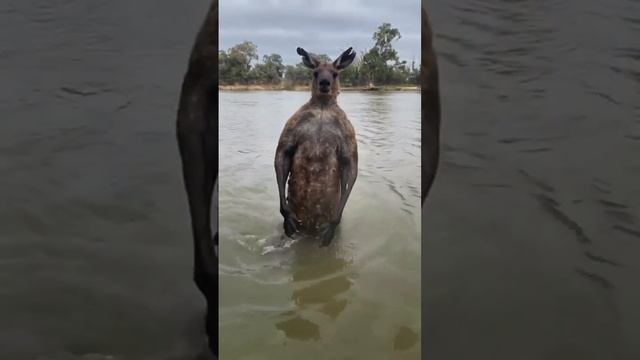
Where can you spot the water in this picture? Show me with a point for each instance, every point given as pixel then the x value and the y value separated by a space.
pixel 95 245
pixel 532 231
pixel 360 297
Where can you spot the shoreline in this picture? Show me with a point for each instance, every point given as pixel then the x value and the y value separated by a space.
pixel 306 88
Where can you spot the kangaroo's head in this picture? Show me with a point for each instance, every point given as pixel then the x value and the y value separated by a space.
pixel 326 82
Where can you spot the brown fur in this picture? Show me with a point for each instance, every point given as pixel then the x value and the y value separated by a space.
pixel 317 152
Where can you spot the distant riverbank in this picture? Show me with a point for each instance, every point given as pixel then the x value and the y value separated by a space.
pixel 306 88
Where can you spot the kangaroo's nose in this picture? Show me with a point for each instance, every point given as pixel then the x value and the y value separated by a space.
pixel 324 82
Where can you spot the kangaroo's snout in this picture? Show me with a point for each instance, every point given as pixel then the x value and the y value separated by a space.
pixel 325 81
pixel 325 85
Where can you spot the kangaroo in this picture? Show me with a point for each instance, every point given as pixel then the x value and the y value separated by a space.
pixel 317 152
pixel 197 135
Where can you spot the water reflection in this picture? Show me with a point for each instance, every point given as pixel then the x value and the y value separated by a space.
pixel 377 130
pixel 321 281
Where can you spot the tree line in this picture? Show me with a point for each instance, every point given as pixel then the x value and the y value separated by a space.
pixel 380 65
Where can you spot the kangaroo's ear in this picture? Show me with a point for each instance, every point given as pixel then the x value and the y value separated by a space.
pixel 345 59
pixel 309 60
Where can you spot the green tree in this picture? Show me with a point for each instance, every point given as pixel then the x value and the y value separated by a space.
pixel 270 71
pixel 223 66
pixel 351 76
pixel 297 74
pixel 383 38
pixel 414 74
pixel 235 63
pixel 373 67
pixel 375 63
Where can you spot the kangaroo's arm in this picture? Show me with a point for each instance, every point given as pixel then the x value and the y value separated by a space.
pixel 349 171
pixel 284 156
pixel 282 163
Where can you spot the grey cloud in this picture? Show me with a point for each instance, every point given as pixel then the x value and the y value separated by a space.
pixel 320 26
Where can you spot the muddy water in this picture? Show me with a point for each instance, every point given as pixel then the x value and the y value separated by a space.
pixel 358 298
pixel 95 246
pixel 531 237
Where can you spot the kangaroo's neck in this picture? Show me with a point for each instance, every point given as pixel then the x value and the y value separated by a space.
pixel 323 101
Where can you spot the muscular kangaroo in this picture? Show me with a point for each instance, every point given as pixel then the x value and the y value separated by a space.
pixel 317 152
pixel 197 135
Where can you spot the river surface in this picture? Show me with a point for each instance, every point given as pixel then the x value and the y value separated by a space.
pixel 356 299
pixel 531 235
pixel 95 245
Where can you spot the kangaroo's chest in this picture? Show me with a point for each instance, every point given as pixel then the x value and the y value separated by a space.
pixel 320 128
pixel 318 142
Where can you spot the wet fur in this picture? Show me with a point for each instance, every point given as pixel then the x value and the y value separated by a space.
pixel 317 153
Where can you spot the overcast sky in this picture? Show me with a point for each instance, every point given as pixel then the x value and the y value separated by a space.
pixel 319 26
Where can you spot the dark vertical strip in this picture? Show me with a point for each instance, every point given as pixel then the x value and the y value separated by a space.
pixel 430 107
pixel 197 135
pixel 430 130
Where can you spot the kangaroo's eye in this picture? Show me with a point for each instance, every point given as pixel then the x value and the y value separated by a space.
pixel 335 75
pixel 315 74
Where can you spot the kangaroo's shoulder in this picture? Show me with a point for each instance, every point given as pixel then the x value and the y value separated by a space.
pixel 302 113
pixel 341 117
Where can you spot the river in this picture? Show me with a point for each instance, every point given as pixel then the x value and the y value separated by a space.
pixel 358 298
